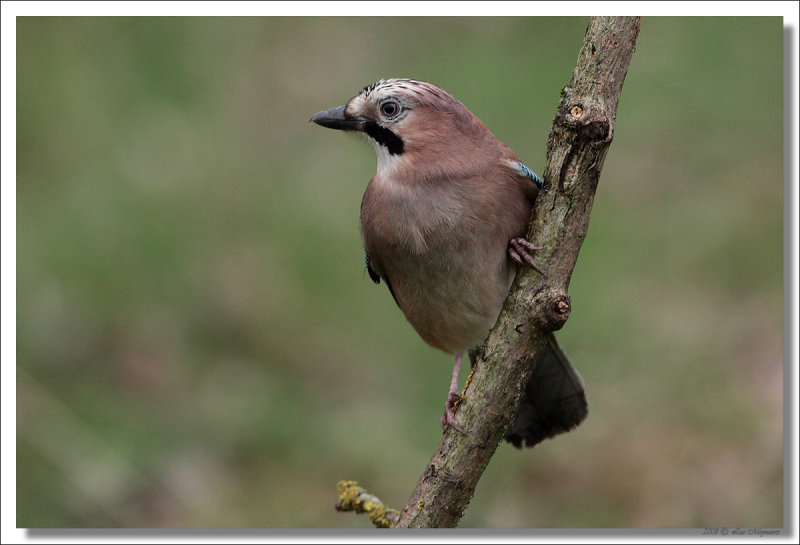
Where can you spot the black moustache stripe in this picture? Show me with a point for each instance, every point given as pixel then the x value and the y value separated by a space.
pixel 384 137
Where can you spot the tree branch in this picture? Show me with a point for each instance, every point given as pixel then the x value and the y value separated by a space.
pixel 576 149
pixel 354 498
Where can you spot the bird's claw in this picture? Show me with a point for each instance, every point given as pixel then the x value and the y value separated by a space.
pixel 520 251
pixel 449 416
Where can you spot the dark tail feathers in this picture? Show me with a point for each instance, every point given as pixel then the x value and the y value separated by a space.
pixel 554 401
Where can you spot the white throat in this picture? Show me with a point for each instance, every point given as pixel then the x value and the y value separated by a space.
pixel 387 163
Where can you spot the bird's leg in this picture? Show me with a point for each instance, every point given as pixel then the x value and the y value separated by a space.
pixel 520 251
pixel 449 418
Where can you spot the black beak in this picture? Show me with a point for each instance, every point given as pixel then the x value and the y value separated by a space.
pixel 336 118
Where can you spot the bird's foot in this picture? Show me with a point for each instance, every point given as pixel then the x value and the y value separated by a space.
pixel 449 417
pixel 520 251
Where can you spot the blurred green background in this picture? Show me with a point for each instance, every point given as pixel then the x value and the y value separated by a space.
pixel 198 343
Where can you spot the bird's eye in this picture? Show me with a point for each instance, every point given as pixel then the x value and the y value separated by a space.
pixel 390 109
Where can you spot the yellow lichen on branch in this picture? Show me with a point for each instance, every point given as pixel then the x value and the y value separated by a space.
pixel 354 498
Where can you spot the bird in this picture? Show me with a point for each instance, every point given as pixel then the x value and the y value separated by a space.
pixel 443 223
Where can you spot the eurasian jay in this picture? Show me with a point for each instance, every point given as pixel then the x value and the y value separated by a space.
pixel 443 222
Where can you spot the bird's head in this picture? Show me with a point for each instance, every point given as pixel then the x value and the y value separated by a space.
pixel 414 125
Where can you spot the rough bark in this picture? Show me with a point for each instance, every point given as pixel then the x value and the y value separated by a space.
pixel 579 140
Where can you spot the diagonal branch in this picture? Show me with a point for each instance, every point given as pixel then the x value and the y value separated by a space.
pixel 576 149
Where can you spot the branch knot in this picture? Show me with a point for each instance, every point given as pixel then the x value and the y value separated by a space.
pixel 556 306
pixel 558 311
pixel 587 120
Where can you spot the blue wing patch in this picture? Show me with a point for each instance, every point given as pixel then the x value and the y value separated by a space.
pixel 527 173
